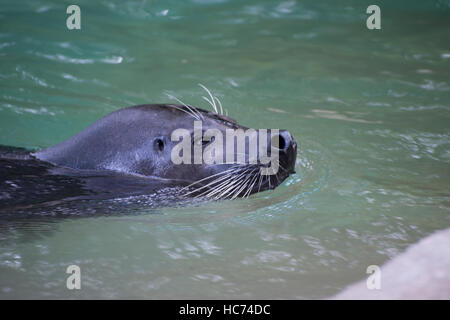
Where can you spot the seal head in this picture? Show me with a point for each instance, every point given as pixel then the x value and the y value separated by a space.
pixel 138 140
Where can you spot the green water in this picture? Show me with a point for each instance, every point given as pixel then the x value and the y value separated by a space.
pixel 369 109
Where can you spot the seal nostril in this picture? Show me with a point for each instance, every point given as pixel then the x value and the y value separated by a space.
pixel 281 142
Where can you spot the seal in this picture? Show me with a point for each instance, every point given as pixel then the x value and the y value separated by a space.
pixel 138 140
pixel 130 153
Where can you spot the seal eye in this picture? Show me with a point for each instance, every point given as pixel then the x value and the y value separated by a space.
pixel 204 141
pixel 159 144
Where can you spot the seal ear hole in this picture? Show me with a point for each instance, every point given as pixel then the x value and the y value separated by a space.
pixel 159 144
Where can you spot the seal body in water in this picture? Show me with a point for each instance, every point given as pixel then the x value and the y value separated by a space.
pixel 130 152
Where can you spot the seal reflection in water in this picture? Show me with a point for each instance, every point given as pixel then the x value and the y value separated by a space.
pixel 129 153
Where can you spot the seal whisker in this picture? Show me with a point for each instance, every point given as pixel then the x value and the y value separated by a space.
pixel 185 111
pixel 245 183
pixel 237 181
pixel 211 183
pixel 213 102
pixel 260 181
pixel 252 184
pixel 197 115
pixel 206 99
pixel 220 104
pixel 215 181
pixel 208 177
pixel 227 191
pixel 229 183
pixel 252 175
pixel 230 187
pixel 228 173
pixel 210 192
